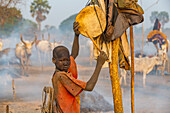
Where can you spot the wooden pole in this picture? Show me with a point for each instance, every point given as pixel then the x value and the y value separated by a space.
pixel 93 41
pixel 114 76
pixel 7 109
pixel 168 65
pixel 132 70
pixel 13 87
pixel 142 40
pixel 143 36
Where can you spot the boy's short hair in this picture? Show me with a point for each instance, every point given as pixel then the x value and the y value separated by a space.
pixel 58 50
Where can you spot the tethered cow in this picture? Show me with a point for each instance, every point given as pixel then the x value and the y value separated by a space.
pixel 23 51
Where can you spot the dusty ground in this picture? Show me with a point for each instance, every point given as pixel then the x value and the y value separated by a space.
pixel 154 98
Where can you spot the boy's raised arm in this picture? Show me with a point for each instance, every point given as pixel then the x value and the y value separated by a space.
pixel 75 47
pixel 92 81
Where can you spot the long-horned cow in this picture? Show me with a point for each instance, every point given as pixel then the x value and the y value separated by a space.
pixel 23 51
pixel 144 65
pixel 43 48
pixel 54 44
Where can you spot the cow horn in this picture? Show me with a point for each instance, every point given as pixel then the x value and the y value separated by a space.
pixel 34 39
pixel 42 36
pixel 48 37
pixel 22 40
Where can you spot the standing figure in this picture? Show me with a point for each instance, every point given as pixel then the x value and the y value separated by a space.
pixel 65 83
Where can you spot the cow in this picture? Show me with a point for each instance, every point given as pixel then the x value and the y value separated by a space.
pixel 23 51
pixel 5 51
pixel 123 74
pixel 164 60
pixel 144 65
pixel 43 47
pixel 54 44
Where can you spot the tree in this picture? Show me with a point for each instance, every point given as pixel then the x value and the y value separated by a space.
pixel 25 26
pixel 39 8
pixel 8 12
pixel 163 17
pixel 153 16
pixel 67 24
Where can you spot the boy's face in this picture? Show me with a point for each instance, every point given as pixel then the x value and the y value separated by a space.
pixel 63 61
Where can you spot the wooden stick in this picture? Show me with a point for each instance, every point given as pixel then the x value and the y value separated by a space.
pixel 132 70
pixel 13 87
pixel 142 40
pixel 95 44
pixel 114 76
pixel 7 109
pixel 93 41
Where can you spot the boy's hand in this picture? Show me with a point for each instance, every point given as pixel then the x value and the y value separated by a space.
pixel 102 58
pixel 75 28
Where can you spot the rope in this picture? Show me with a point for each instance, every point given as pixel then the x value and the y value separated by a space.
pixel 87 2
pixel 101 28
pixel 47 107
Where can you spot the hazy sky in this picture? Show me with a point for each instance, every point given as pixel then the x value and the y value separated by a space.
pixel 62 9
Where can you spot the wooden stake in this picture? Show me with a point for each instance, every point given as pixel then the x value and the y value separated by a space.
pixel 132 70
pixel 13 87
pixel 142 40
pixel 143 36
pixel 7 109
pixel 114 76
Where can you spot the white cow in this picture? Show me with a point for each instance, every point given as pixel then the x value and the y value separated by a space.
pixel 23 51
pixel 54 44
pixel 123 74
pixel 144 65
pixel 43 48
pixel 43 45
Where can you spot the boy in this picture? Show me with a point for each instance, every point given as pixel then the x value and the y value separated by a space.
pixel 66 87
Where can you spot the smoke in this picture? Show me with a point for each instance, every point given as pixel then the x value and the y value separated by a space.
pixel 5 79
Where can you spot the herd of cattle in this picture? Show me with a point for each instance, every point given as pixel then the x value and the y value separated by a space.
pixel 23 49
pixel 142 64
